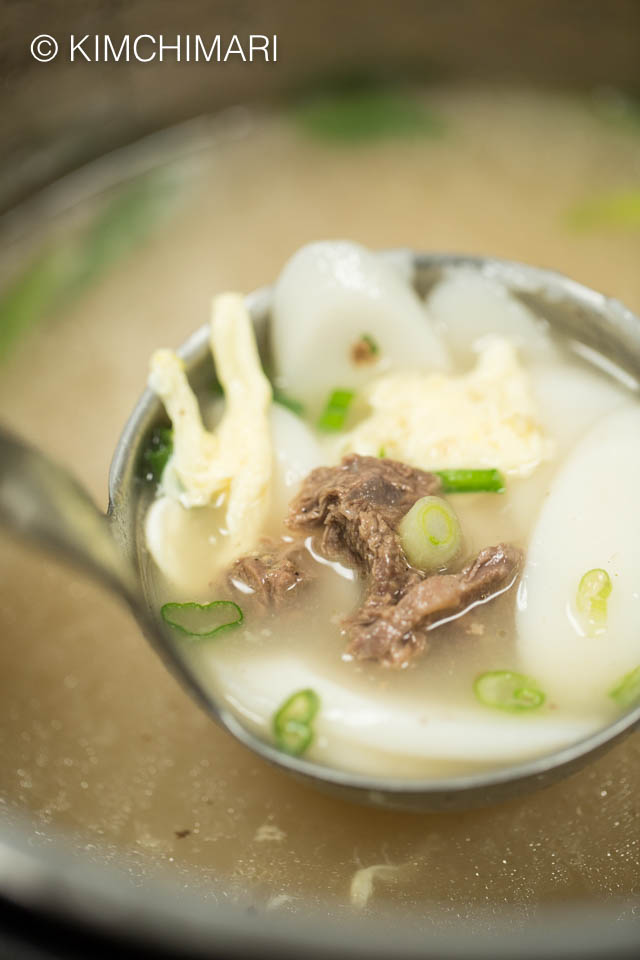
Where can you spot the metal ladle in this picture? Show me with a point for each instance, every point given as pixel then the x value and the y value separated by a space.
pixel 42 502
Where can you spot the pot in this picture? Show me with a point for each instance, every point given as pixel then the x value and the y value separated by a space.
pixel 128 822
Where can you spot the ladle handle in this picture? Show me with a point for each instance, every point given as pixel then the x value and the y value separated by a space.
pixel 43 503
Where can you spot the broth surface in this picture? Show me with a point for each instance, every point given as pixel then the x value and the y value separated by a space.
pixel 97 738
pixel 424 720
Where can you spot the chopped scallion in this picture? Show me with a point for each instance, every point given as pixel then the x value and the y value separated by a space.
pixel 430 534
pixel 371 343
pixel 627 692
pixel 202 619
pixel 292 724
pixel 591 598
pixel 279 396
pixel 382 453
pixel 336 410
pixel 506 690
pixel 156 453
pixel 471 481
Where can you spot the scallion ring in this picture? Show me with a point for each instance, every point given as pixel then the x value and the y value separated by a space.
pixel 591 598
pixel 627 692
pixel 202 620
pixel 507 690
pixel 430 534
pixel 292 724
pixel 156 453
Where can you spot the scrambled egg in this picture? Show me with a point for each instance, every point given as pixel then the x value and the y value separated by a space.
pixel 485 418
pixel 230 468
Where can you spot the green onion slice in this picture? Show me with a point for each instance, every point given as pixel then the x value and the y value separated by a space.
pixel 336 410
pixel 294 737
pixel 371 343
pixel 202 619
pixel 591 598
pixel 506 690
pixel 279 396
pixel 156 453
pixel 292 724
pixel 430 534
pixel 471 481
pixel 627 692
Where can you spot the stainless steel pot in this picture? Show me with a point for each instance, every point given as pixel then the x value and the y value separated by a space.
pixel 57 117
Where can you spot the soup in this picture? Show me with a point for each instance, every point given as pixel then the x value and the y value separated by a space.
pixel 451 588
pixel 98 739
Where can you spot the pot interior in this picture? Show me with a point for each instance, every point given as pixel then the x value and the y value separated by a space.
pixel 99 743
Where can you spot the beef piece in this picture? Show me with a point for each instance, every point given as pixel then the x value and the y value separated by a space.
pixel 357 505
pixel 396 632
pixel 339 494
pixel 270 577
pixel 354 508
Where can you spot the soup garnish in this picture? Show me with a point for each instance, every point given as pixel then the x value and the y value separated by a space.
pixel 591 599
pixel 202 620
pixel 292 724
pixel 627 692
pixel 471 481
pixel 507 690
pixel 336 410
pixel 430 534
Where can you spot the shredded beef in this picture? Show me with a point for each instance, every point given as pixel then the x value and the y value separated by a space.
pixel 271 576
pixel 354 509
pixel 395 633
pixel 357 505
pixel 340 494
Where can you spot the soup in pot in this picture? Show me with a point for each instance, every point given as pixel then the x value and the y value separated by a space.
pixel 97 738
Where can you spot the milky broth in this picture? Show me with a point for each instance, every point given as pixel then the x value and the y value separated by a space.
pixel 442 728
